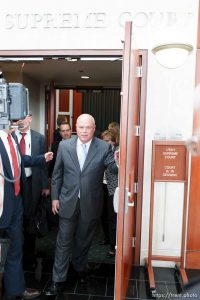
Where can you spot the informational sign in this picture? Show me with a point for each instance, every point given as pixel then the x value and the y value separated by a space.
pixel 169 161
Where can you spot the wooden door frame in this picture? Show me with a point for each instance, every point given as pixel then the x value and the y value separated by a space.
pixel 120 289
pixel 193 255
pixel 132 117
pixel 51 107
pixel 142 115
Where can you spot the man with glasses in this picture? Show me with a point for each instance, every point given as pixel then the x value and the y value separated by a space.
pixel 32 143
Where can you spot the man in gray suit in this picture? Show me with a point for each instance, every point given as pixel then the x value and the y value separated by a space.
pixel 31 143
pixel 77 196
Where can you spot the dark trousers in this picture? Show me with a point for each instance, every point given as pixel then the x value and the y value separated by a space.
pixel 29 240
pixel 28 225
pixel 109 218
pixel 104 216
pixel 73 243
pixel 112 221
pixel 13 270
pixel 1 276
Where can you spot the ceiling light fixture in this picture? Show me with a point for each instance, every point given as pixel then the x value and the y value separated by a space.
pixel 172 55
pixel 71 58
pixel 85 77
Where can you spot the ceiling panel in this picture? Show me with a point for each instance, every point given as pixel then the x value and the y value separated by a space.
pixel 62 72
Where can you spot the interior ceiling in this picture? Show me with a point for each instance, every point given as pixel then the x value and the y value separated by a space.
pixel 104 73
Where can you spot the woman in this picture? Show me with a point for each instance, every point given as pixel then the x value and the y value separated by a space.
pixel 111 181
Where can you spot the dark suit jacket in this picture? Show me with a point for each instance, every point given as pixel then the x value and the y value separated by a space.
pixel 54 149
pixel 68 179
pixel 39 173
pixel 9 196
pixel 56 135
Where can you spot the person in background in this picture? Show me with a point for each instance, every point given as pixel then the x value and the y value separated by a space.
pixel 11 212
pixel 77 196
pixel 109 219
pixel 115 127
pixel 56 134
pixel 65 133
pixel 31 143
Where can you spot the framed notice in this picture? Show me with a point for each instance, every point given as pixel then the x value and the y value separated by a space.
pixel 169 161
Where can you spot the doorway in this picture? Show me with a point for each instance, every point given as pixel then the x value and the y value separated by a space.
pixel 106 69
pixel 102 103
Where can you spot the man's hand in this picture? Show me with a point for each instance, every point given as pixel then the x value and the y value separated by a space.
pixel 48 156
pixel 45 192
pixel 55 206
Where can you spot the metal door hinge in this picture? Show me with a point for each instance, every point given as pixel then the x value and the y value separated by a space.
pixel 133 242
pixel 135 187
pixel 137 130
pixel 47 127
pixel 139 71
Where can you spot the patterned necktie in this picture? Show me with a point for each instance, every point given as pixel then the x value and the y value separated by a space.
pixel 83 155
pixel 15 165
pixel 22 143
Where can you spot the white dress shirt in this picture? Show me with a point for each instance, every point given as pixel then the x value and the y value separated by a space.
pixel 4 138
pixel 27 138
pixel 79 148
pixel 1 187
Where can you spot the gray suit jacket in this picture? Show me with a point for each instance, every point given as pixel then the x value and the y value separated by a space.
pixel 68 179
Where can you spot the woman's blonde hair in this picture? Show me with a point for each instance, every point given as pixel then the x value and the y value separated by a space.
pixel 110 134
pixel 115 127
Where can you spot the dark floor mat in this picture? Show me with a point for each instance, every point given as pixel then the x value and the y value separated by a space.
pixel 45 247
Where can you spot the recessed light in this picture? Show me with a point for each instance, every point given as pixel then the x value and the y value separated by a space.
pixel 85 77
pixel 71 59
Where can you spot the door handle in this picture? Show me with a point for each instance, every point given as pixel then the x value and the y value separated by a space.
pixel 128 203
pixel 116 200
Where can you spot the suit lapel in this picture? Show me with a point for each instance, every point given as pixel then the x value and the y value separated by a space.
pixel 73 152
pixel 23 175
pixel 5 160
pixel 91 153
pixel 33 144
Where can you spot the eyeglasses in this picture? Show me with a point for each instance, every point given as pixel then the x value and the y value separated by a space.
pixel 85 127
pixel 65 130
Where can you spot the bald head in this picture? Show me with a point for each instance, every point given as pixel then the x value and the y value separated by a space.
pixel 85 117
pixel 85 127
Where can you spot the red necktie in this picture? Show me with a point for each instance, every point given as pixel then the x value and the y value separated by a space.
pixel 22 144
pixel 15 165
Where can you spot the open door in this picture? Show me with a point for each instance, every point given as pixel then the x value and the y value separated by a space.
pixel 128 164
pixel 193 241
